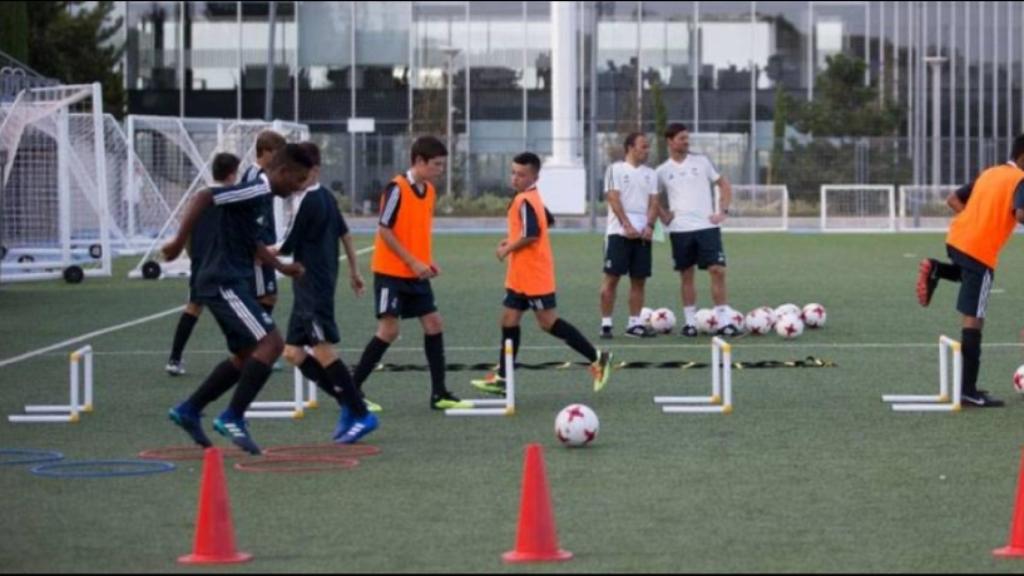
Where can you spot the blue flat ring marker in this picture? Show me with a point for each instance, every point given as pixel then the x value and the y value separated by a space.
pixel 72 469
pixel 31 456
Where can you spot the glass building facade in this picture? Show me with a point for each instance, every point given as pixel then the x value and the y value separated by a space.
pixel 719 67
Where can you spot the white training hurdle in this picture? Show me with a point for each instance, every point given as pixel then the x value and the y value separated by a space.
pixel 720 400
pixel 944 401
pixel 70 412
pixel 304 398
pixel 494 407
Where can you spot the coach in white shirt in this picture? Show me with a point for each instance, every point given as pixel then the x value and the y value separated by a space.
pixel 688 181
pixel 631 189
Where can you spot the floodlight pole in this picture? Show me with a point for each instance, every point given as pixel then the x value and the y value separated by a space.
pixel 449 52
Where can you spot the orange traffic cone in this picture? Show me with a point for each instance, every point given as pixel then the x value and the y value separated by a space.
pixel 215 534
pixel 1016 547
pixel 536 538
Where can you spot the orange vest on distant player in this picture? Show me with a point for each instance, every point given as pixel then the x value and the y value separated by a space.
pixel 412 229
pixel 985 225
pixel 531 270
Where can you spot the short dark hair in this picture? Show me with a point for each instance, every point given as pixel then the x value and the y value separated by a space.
pixel 224 164
pixel 673 129
pixel 528 159
pixel 312 150
pixel 427 148
pixel 1018 148
pixel 631 139
pixel 292 156
pixel 269 141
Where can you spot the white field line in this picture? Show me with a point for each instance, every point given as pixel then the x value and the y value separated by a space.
pixel 101 332
pixel 554 347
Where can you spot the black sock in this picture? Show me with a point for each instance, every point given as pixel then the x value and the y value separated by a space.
pixel 513 335
pixel 315 373
pixel 220 380
pixel 341 381
pixel 433 345
pixel 181 335
pixel 971 339
pixel 574 339
pixel 372 354
pixel 947 271
pixel 254 375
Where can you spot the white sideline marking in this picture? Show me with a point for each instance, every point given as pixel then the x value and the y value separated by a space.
pixel 84 337
pixel 157 316
pixel 851 346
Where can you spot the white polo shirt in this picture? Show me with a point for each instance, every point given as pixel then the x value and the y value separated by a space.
pixel 689 186
pixel 636 185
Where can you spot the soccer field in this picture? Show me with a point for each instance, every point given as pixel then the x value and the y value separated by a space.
pixel 810 473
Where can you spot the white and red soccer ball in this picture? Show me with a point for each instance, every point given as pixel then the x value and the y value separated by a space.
pixel 788 309
pixel 645 316
pixel 760 321
pixel 814 315
pixel 663 320
pixel 1018 380
pixel 707 322
pixel 576 425
pixel 789 326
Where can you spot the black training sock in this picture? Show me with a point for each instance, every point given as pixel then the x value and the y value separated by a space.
pixel 971 340
pixel 574 339
pixel 220 380
pixel 341 380
pixel 315 373
pixel 513 335
pixel 181 335
pixel 254 375
pixel 433 345
pixel 947 271
pixel 372 354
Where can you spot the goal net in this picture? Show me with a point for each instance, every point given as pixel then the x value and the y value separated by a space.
pixel 924 209
pixel 54 193
pixel 858 208
pixel 757 208
pixel 171 161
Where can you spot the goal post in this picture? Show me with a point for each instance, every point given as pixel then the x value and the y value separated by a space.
pixel 756 208
pixel 924 208
pixel 858 208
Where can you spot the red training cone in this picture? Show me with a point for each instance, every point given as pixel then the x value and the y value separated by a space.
pixel 215 534
pixel 1016 547
pixel 536 538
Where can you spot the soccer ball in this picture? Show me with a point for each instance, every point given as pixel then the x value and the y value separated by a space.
pixel 737 319
pixel 789 326
pixel 814 315
pixel 1018 380
pixel 645 316
pixel 707 322
pixel 758 321
pixel 576 425
pixel 663 320
pixel 788 309
pixel 772 317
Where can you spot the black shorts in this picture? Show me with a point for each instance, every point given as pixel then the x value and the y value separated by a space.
pixel 624 256
pixel 266 281
pixel 240 317
pixel 519 301
pixel 701 247
pixel 310 328
pixel 975 284
pixel 402 297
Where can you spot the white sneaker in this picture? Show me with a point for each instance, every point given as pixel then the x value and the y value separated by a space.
pixel 175 368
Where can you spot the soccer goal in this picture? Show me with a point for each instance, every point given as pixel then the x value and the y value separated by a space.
pixel 924 209
pixel 171 158
pixel 757 208
pixel 858 208
pixel 54 213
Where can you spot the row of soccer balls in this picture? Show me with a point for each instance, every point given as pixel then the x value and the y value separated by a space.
pixel 788 320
